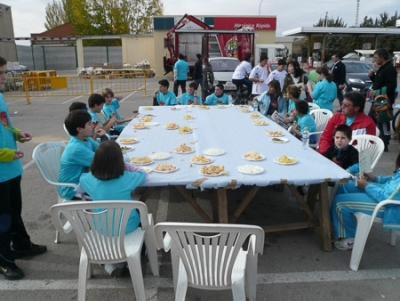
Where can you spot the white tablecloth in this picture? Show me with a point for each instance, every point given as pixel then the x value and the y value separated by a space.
pixel 233 131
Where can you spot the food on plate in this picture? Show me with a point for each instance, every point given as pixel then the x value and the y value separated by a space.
pixel 286 160
pixel 260 122
pixel 148 108
pixel 188 116
pixel 128 140
pixel 125 148
pixel 146 119
pixel 183 148
pixel 201 159
pixel 253 156
pixel 165 167
pixel 171 126
pixel 255 115
pixel 139 126
pixel 278 139
pixel 275 133
pixel 221 106
pixel 185 130
pixel 141 160
pixel 213 170
pixel 245 110
pixel 203 107
pixel 147 169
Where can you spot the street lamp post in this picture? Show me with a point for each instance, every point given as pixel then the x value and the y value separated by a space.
pixel 259 7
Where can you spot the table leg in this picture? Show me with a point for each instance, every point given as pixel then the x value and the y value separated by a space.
pixel 146 193
pixel 325 221
pixel 243 204
pixel 192 202
pixel 222 205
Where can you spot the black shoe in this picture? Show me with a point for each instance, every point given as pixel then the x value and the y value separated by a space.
pixel 11 271
pixel 386 149
pixel 32 251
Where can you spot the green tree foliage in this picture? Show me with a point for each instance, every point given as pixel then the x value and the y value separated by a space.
pixel 56 14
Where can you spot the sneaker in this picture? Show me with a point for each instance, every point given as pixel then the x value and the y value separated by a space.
pixel 344 244
pixel 32 251
pixel 115 269
pixel 11 271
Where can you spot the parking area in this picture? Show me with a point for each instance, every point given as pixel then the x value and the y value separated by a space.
pixel 293 267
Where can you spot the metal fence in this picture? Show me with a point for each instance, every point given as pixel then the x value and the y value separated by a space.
pixel 47 84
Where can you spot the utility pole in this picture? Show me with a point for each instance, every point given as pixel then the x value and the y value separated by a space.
pixel 259 7
pixel 326 19
pixel 358 8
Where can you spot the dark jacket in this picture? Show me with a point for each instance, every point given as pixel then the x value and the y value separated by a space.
pixel 208 78
pixel 345 158
pixel 339 73
pixel 197 70
pixel 386 76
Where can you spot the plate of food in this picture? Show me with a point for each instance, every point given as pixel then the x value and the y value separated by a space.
pixel 213 171
pixel 260 122
pixel 250 169
pixel 171 126
pixel 128 140
pixel 201 160
pixel 275 133
pixel 245 110
pixel 151 115
pixel 139 126
pixel 255 115
pixel 253 156
pixel 148 108
pixel 146 119
pixel 147 169
pixel 214 151
pixel 188 117
pixel 285 160
pixel 203 107
pixel 222 106
pixel 165 168
pixel 126 148
pixel 141 160
pixel 279 139
pixel 175 108
pixel 185 130
pixel 160 156
pixel 183 149
pixel 151 123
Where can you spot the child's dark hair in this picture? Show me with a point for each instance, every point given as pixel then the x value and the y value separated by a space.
pixel 108 162
pixel 276 85
pixel 302 107
pixel 107 91
pixel 77 106
pixel 294 91
pixel 76 119
pixel 96 99
pixel 345 129
pixel 221 86
pixel 164 82
pixel 194 85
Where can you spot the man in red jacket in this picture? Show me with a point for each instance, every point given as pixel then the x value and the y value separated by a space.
pixel 353 115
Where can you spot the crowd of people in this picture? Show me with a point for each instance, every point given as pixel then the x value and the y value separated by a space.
pixel 93 160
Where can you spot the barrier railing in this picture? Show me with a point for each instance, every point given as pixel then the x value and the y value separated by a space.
pixel 53 86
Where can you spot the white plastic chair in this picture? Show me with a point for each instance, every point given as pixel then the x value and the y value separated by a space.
pixel 374 143
pixel 321 117
pixel 364 224
pixel 101 236
pixel 313 106
pixel 210 256
pixel 47 157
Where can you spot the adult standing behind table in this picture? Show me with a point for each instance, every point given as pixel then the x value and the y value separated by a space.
pixel 242 71
pixel 259 75
pixel 181 69
pixel 14 240
pixel 338 72
pixel 198 70
pixel 208 80
pixel 353 115
pixel 295 76
pixel 278 74
pixel 324 92
pixel 384 79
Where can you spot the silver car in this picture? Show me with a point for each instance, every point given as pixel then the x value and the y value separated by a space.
pixel 223 68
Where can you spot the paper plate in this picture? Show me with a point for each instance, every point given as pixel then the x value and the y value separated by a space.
pixel 276 160
pixel 165 171
pixel 160 156
pixel 249 159
pixel 279 139
pixel 214 152
pixel 202 163
pixel 250 169
pixel 128 140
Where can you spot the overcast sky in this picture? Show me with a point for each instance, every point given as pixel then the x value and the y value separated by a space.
pixel 29 15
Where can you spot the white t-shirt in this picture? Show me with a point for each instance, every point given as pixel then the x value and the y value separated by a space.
pixel 242 70
pixel 260 73
pixel 278 75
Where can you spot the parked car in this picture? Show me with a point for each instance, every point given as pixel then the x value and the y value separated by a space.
pixel 223 68
pixel 357 78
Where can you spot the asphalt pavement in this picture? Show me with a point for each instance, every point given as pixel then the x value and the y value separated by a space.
pixel 293 266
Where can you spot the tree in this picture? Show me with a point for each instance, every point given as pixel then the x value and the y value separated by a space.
pixel 56 14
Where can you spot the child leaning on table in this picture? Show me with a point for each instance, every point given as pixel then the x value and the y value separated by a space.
pixel 112 105
pixel 190 96
pixel 304 120
pixel 342 153
pixel 110 178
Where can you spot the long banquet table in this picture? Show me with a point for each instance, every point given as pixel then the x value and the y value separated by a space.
pixel 231 129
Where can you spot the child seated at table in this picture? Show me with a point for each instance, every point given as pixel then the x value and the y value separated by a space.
pixel 271 101
pixel 163 97
pixel 218 97
pixel 342 153
pixel 112 179
pixel 190 96
pixel 304 120
pixel 78 153
pixel 111 107
pixel 96 103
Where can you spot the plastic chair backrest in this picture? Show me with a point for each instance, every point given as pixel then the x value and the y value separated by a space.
pixel 209 251
pixel 313 106
pixel 321 117
pixel 374 143
pixel 100 226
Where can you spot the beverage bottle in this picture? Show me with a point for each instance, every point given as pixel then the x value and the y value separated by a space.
pixel 230 100
pixel 305 137
pixel 255 106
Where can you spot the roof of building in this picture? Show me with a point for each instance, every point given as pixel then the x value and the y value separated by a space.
pixel 301 31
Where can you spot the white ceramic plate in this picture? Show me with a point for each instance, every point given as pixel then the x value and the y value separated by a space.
pixel 249 159
pixel 275 134
pixel 200 163
pixel 276 161
pixel 128 140
pixel 281 139
pixel 166 171
pixel 140 164
pixel 250 169
pixel 160 156
pixel 214 152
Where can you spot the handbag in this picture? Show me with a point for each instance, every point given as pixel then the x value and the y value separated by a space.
pixel 382 109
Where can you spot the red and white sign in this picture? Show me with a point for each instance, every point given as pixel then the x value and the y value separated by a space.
pixel 232 23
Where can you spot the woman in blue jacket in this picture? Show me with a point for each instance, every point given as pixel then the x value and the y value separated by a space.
pixel 324 92
pixel 272 100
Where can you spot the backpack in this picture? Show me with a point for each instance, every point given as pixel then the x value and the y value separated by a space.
pixel 382 109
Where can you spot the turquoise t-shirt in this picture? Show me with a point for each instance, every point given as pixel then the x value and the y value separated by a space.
pixel 182 69
pixel 115 189
pixel 212 99
pixel 187 99
pixel 167 99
